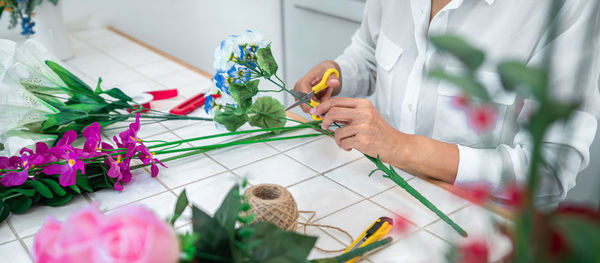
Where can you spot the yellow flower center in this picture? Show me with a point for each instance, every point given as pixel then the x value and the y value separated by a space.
pixel 24 163
pixel 119 159
pixel 71 162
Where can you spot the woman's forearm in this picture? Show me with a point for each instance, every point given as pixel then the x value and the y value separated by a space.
pixel 422 156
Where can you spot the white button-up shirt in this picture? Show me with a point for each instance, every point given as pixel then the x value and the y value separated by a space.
pixel 390 56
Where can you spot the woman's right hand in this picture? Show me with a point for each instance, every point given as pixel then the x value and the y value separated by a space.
pixel 314 76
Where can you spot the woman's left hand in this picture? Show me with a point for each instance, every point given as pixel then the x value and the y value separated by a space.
pixel 364 128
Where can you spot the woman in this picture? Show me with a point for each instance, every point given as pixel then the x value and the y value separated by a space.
pixel 414 122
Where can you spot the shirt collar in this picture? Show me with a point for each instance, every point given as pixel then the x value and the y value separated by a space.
pixel 490 2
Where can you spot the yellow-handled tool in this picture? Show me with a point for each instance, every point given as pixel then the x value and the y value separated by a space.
pixel 376 231
pixel 304 97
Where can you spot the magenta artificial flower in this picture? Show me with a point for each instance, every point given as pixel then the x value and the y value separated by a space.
pixel 93 139
pixel 67 172
pixel 41 156
pixel 129 138
pixel 14 178
pixel 64 144
pixel 147 157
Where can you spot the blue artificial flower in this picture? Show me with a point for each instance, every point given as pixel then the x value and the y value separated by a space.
pixel 27 26
pixel 208 103
pixel 221 81
pixel 239 73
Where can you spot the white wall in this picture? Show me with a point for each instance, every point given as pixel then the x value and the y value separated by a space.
pixel 187 29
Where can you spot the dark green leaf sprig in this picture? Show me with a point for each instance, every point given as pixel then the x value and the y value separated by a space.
pixel 84 106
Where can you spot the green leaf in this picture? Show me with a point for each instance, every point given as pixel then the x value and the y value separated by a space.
pixel 468 84
pixel 18 203
pixel 230 118
pixel 242 93
pixel 526 80
pixel 85 107
pixel 40 188
pixel 269 113
pixel 2 11
pixel 98 89
pixel 467 54
pixel 83 182
pixel 72 81
pixel 118 94
pixel 75 188
pixel 180 206
pixel 54 186
pixel 58 200
pixel 227 214
pixel 61 118
pixel 27 192
pixel 214 239
pixel 277 245
pixel 4 211
pixel 265 60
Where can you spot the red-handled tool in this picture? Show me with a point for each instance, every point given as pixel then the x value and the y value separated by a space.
pixel 191 104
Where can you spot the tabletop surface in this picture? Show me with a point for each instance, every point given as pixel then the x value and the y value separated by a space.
pixel 320 176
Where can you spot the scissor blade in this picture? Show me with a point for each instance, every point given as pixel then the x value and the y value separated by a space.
pixel 301 98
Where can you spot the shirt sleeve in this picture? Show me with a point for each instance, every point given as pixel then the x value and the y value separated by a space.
pixel 565 148
pixel 357 62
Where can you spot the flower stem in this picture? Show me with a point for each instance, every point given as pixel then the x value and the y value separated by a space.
pixel 229 134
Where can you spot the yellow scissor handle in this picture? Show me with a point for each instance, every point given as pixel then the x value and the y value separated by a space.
pixel 381 232
pixel 321 86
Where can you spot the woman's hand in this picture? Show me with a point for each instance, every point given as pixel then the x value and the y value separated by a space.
pixel 314 76
pixel 364 128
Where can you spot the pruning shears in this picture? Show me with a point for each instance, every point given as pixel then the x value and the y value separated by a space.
pixel 304 97
pixel 376 231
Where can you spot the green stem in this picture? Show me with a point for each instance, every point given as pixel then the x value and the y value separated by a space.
pixel 249 140
pixel 222 145
pixel 228 134
pixel 392 175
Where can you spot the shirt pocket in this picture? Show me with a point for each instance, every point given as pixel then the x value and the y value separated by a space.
pixel 453 122
pixel 387 54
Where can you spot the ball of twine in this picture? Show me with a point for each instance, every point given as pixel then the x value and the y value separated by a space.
pixel 273 203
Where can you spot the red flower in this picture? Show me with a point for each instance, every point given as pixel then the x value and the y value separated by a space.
pixel 513 195
pixel 478 192
pixel 482 118
pixel 461 102
pixel 473 252
pixel 401 224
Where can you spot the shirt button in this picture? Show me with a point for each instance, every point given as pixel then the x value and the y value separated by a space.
pixel 410 107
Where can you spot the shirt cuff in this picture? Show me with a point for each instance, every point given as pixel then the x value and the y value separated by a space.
pixel 479 165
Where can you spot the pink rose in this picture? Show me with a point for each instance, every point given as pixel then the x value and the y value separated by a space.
pixel 135 234
pixel 71 241
pixel 131 234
